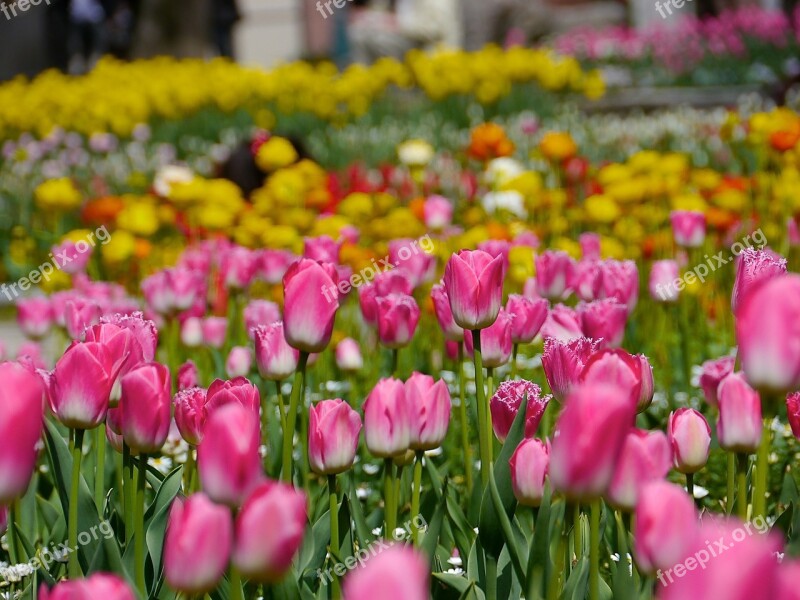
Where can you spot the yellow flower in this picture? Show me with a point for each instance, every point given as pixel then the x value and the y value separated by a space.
pixel 357 207
pixel 602 208
pixel 689 201
pixel 57 195
pixel 521 264
pixel 119 248
pixel 139 217
pixel 276 153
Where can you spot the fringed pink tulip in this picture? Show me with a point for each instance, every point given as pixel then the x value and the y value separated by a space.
pixel 496 344
pixel 310 302
pixel 384 283
pixel 399 573
pixel 646 456
pixel 398 316
pixel 529 465
pixel 553 274
pixel 529 316
pixel 563 323
pixel 505 403
pixel 429 403
pixel 387 419
pixel 604 320
pixel 268 531
pixel 621 281
pixel 146 403
pixel 754 267
pixel 191 414
pixel 690 436
pixel 474 284
pixel 275 358
pixel 587 280
pixel 260 312
pixel 739 424
pixel 197 545
pixel 333 429
pixel 563 364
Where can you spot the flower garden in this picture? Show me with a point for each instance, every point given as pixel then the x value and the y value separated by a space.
pixel 462 337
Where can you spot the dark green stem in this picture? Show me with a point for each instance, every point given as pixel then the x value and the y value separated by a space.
pixel 291 417
pixel 74 568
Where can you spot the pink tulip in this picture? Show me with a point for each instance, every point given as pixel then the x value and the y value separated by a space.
pixel 665 527
pixel 563 324
pixel 268 531
pixel 144 332
pixel 398 317
pixel 215 330
pixel 185 286
pixel 621 281
pixel 618 368
pixel 504 406
pixel 122 348
pixel 322 249
pixel 648 384
pixel 239 362
pixel 197 544
pixel 99 585
pixel 739 423
pixel 260 312
pixel 399 573
pixel 192 332
pixel 529 316
pixel 793 412
pixel 81 385
pixel 529 465
pixel 496 345
pixel 553 274
pixel 563 364
pixel 80 314
pixel 590 245
pixel 387 419
pixel 34 316
pixel 191 414
pixel 238 390
pixel 146 402
pixel 21 422
pixel 228 458
pixel 310 303
pixel 72 257
pixel 690 436
pixel 384 284
pixel 30 353
pixel 587 279
pixel 275 358
pixel 474 284
pixel 407 255
pixel 495 249
pixel 238 266
pixel 333 429
pixel 688 228
pixel 441 306
pixel 753 268
pixel 663 275
pixel 348 356
pixel 646 456
pixel 604 320
pixel 273 264
pixel 714 371
pixel 438 212
pixel 429 403
pixel 3 520
pixel 188 376
pixel 590 435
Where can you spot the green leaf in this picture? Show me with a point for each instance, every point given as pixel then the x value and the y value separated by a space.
pixel 460 584
pixel 434 528
pixel 157 527
pixel 363 533
pixel 578 583
pixel 539 559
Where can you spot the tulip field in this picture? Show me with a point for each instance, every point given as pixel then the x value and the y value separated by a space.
pixel 458 339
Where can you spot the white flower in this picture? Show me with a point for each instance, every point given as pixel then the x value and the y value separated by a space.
pixel 509 201
pixel 168 176
pixel 415 153
pixel 502 170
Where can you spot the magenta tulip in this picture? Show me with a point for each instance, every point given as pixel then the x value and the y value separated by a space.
pixel 387 419
pixel 429 404
pixel 237 266
pixel 604 320
pixel 333 429
pixel 590 435
pixel 563 323
pixel 529 465
pixel 739 423
pixel 215 330
pixel 348 356
pixel 690 436
pixel 238 390
pixel 563 363
pixel 268 531
pixel 590 245
pixel 648 388
pixel 34 316
pixel 504 406
pixel 146 402
pixel 407 255
pixel 438 212
pixel 80 314
pixel 753 268
pixel 384 283
pixel 72 257
pixel 310 302
pixel 474 284
pixel 529 316
pixel 663 275
pixel 621 281
pixel 197 544
pixel 188 376
pixel 191 414
pixel 239 362
pixel 646 456
pixel 99 585
pixel 714 371
pixel 616 367
pixel 553 274
pixel 496 345
pixel 441 306
pixel 228 458
pixel 192 332
pixel 398 316
pixel 587 280
pixel 260 312
pixel 276 359
pixel 399 573
pixel 21 422
pixel 273 264
pixel 688 228
pixel 322 249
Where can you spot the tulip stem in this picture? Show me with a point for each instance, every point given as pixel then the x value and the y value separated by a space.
pixel 100 470
pixel 12 533
pixel 731 484
pixel 741 485
pixel 138 540
pixel 188 471
pixel 690 485
pixel 291 417
pixel 334 504
pixel 415 493
pixel 514 362
pixel 484 417
pixel 395 361
pixel 559 574
pixel 594 550
pixel 236 584
pixel 281 405
pixel 388 498
pixel 762 472
pixel 462 411
pixel 491 577
pixel 577 531
pixel 74 568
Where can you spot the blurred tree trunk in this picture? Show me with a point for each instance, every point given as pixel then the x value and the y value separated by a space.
pixel 167 27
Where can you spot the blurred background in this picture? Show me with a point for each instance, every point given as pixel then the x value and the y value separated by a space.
pixel 71 34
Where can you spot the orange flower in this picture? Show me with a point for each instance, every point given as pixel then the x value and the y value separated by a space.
pixel 102 210
pixel 489 141
pixel 785 140
pixel 558 146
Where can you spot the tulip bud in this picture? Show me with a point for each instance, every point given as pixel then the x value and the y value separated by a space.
pixel 618 368
pixel 529 465
pixel 239 362
pixel 215 329
pixel 333 429
pixel 505 404
pixel 754 267
pixel 429 403
pixel 714 371
pixel 268 531
pixel 238 390
pixel 563 363
pixel 348 356
pixel 496 345
pixel 188 377
pixel 228 458
pixel 191 414
pixel 663 275
pixel 562 324
pixel 648 384
pixel 688 228
pixel 197 544
pixel 646 456
pixel 397 573
pixel 21 422
pixel 99 585
pixel 474 284
pixel 604 320
pixel 276 359
pixel 80 314
pixel 146 402
pixel 553 274
pixel 597 419
pixel 34 316
pixel 739 423
pixel 310 302
pixel 260 312
pixel 528 317
pixel 690 436
pixel 398 316
pixel 384 284
pixel 665 527
pixel 387 419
